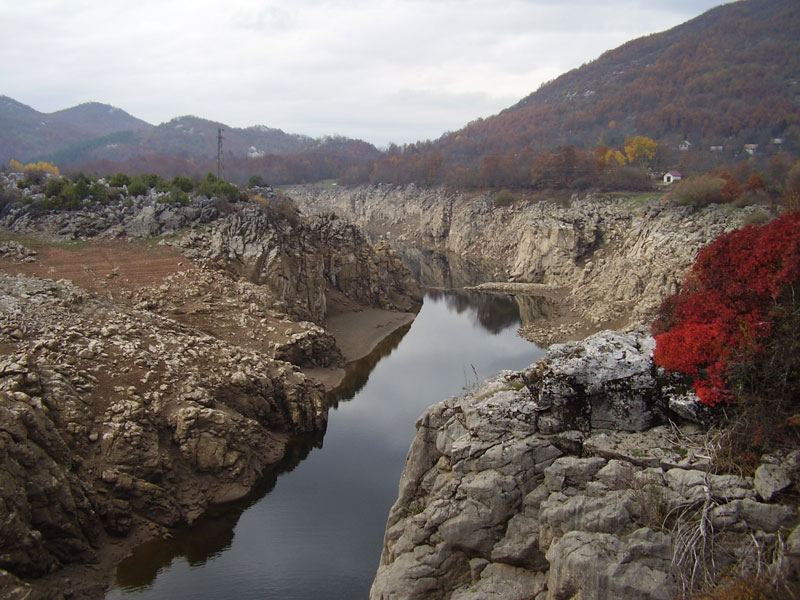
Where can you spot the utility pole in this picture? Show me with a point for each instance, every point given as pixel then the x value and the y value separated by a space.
pixel 220 164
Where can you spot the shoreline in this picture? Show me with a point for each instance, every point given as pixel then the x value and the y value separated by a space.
pixel 357 333
pixel 543 290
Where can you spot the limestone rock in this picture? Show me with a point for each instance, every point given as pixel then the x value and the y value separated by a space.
pixel 165 447
pixel 297 260
pixel 616 260
pixel 604 382
pixel 771 479
pixel 564 488
pixel 595 566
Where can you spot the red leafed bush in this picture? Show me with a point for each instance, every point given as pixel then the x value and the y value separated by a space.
pixel 736 308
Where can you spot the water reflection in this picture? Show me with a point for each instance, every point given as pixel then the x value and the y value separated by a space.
pixel 318 533
pixel 493 312
pixel 210 535
pixel 536 308
pixel 449 272
pixel 357 372
pixel 434 269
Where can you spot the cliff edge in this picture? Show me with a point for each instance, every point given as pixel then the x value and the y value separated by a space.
pixel 607 260
pixel 571 480
pixel 158 373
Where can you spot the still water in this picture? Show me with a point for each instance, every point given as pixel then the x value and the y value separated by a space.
pixel 316 528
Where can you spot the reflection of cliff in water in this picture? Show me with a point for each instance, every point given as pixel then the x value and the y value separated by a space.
pixel 437 270
pixel 212 534
pixel 536 308
pixel 497 312
pixel 493 312
pixel 357 372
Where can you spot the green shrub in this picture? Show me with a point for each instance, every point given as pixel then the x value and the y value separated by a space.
pixel 137 187
pixel 255 181
pixel 151 180
pixel 82 188
pixel 9 196
pixel 211 186
pixel 698 191
pixel 54 186
pixel 177 196
pixel 504 198
pixel 98 193
pixel 183 183
pixel 119 180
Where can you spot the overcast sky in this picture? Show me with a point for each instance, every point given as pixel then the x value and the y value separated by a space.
pixel 380 70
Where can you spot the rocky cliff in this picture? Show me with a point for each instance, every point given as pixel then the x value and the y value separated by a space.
pixel 116 418
pixel 614 258
pixel 298 260
pixel 131 402
pixel 567 481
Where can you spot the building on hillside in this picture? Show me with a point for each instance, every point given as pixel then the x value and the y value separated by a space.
pixel 672 177
pixel 685 145
pixel 717 148
pixel 750 148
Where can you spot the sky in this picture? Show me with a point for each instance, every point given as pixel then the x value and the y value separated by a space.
pixel 379 70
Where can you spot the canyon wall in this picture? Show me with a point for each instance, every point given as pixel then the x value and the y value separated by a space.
pixel 614 258
pixel 126 408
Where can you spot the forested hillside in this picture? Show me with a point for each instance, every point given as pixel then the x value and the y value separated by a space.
pixel 721 91
pixel 729 78
pixel 98 138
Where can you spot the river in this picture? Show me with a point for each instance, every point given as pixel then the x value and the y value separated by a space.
pixel 316 527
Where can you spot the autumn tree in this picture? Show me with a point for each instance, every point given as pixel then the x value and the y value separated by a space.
pixel 640 150
pixel 792 187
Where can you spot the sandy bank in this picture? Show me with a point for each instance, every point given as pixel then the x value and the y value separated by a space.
pixel 357 333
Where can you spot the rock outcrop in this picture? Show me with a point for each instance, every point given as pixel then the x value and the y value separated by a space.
pixel 297 260
pixel 616 258
pixel 130 409
pixel 567 480
pixel 115 418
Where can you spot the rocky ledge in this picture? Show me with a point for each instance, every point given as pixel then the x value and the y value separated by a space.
pixel 115 420
pixel 127 409
pixel 578 478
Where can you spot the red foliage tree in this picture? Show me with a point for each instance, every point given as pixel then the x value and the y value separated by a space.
pixel 730 306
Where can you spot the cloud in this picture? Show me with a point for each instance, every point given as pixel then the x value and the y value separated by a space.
pixel 382 70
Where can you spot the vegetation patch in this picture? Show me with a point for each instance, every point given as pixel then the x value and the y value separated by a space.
pixel 734 331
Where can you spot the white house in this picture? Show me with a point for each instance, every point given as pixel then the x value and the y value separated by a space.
pixel 672 177
pixel 684 145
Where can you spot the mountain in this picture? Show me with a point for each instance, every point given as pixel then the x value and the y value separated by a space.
pixel 28 133
pixel 182 137
pixel 96 119
pixel 727 78
pixel 729 75
pixel 103 138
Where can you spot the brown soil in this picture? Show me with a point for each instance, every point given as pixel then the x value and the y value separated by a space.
pixel 121 268
pixel 102 266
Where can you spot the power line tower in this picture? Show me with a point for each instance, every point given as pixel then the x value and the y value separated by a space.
pixel 220 163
